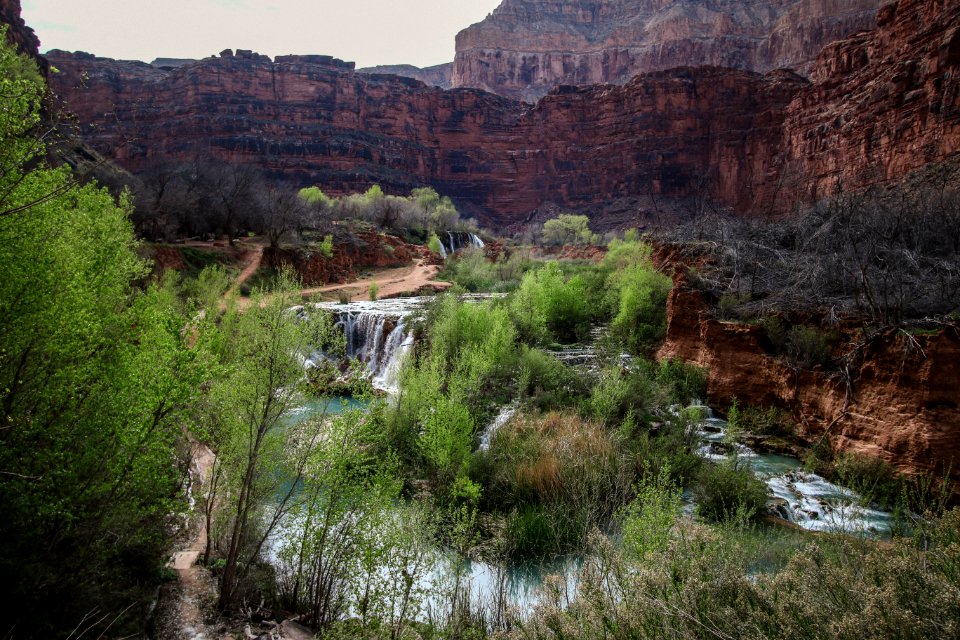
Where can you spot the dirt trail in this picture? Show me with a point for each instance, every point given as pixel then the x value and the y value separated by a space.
pixel 390 282
pixel 195 585
pixel 254 259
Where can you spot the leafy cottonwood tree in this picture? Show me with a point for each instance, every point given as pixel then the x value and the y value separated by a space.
pixel 567 228
pixel 94 379
pixel 261 352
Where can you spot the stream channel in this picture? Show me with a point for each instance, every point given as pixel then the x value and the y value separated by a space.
pixel 379 334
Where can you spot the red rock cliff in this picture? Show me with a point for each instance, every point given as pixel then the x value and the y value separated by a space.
pixel 313 120
pixel 19 33
pixel 881 104
pixel 527 47
pixel 901 404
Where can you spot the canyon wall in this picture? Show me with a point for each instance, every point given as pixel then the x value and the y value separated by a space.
pixel 440 75
pixel 901 404
pixel 19 34
pixel 313 120
pixel 880 105
pixel 527 47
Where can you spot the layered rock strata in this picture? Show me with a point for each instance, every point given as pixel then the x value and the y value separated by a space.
pixel 527 47
pixel 315 121
pixel 440 75
pixel 880 105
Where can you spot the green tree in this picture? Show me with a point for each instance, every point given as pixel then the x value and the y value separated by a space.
pixel 95 379
pixel 567 229
pixel 636 294
pixel 263 462
pixel 548 307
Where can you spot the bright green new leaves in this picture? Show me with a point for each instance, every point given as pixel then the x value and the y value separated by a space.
pixel 637 294
pixel 648 520
pixel 95 379
pixel 567 229
pixel 547 307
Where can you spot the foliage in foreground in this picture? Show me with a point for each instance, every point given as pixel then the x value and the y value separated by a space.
pixel 700 585
pixel 95 379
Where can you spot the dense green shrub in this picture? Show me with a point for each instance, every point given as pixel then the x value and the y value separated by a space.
pixel 620 392
pixel 636 294
pixel 728 492
pixel 471 269
pixel 771 421
pixel 687 382
pixel 872 478
pixel 702 586
pixel 549 308
pixel 567 229
pixel 434 244
pixel 468 359
pixel 547 383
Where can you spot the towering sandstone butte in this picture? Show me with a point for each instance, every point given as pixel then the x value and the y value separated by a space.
pixel 527 47
pixel 881 104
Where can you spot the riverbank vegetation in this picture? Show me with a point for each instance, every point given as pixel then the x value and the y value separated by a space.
pixel 529 429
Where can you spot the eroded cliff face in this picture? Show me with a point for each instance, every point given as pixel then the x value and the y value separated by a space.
pixel 19 34
pixel 313 120
pixel 440 75
pixel 901 404
pixel 525 48
pixel 882 103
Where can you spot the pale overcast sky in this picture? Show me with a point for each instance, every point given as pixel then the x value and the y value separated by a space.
pixel 368 32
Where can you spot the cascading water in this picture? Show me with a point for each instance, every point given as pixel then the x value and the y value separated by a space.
pixel 505 415
pixel 377 334
pixel 457 240
pixel 805 499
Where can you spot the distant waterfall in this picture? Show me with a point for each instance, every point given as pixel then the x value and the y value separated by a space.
pixel 457 240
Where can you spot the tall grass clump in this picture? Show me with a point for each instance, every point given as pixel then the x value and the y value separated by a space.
pixel 555 477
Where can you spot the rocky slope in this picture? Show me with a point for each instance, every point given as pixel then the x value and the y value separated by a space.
pixel 900 405
pixel 527 47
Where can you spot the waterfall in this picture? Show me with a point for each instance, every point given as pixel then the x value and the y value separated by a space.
pixel 378 340
pixel 457 240
pixel 378 334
